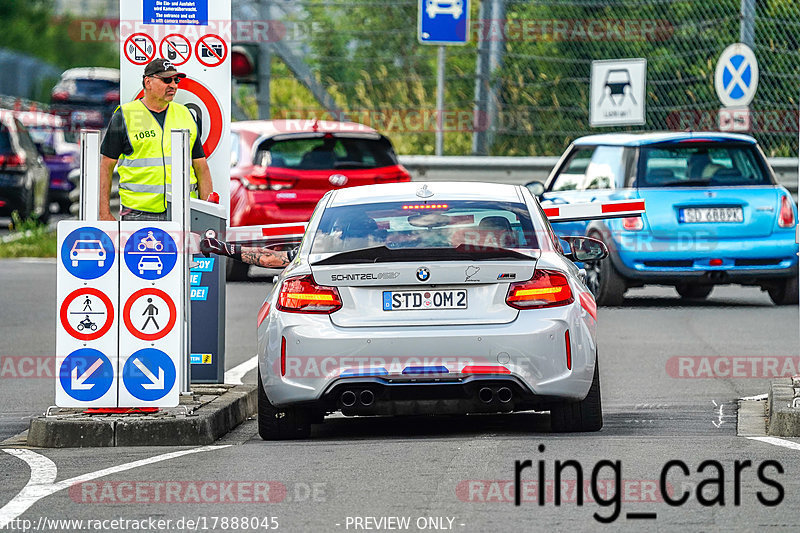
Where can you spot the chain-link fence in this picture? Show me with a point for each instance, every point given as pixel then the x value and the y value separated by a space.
pixel 522 82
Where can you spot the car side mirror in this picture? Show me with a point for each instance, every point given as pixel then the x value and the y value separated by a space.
pixel 536 188
pixel 585 249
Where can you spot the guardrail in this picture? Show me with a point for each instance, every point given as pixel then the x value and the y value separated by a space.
pixel 514 170
pixel 520 170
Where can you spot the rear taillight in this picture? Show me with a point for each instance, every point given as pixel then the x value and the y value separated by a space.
pixel 261 180
pixel 13 162
pixel 303 295
pixel 632 223
pixel 59 96
pixel 393 177
pixel 547 288
pixel 786 216
pixel 111 97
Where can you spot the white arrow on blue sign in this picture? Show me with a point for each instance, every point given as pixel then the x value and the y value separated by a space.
pixel 149 374
pixel 86 374
pixel 443 22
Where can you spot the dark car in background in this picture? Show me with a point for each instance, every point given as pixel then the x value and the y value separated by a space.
pixel 86 97
pixel 281 168
pixel 24 178
pixel 60 156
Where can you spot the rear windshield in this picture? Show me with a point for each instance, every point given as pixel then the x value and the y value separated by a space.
pixel 404 225
pixel 701 164
pixel 93 88
pixel 328 153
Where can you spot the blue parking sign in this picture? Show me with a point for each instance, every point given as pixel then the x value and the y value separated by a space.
pixel 443 21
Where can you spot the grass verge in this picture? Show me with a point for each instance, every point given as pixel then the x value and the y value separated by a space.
pixel 28 238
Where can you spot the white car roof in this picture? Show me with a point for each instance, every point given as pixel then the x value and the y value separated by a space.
pixel 92 73
pixel 407 192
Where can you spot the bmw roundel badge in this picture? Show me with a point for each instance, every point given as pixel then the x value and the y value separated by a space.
pixel 423 274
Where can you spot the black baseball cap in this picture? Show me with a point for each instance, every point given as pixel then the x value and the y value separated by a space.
pixel 161 66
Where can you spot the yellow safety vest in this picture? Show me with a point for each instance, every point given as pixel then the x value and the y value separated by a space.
pixel 145 174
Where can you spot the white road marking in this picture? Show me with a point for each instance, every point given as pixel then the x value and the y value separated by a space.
pixel 43 474
pixel 778 442
pixel 757 397
pixel 234 375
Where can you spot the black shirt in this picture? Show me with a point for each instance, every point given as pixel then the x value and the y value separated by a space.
pixel 116 141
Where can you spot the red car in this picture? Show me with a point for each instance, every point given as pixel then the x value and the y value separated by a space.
pixel 281 168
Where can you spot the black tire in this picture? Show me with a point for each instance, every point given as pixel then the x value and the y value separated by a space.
pixel 603 280
pixel 281 424
pixel 585 415
pixel 694 291
pixel 236 270
pixel 784 291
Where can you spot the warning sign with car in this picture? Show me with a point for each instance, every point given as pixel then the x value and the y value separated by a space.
pixel 196 38
pixel 618 91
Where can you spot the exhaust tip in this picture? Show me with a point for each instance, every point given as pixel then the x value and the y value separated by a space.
pixel 485 395
pixel 348 398
pixel 366 397
pixel 504 394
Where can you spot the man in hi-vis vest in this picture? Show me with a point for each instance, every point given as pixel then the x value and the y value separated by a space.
pixel 138 137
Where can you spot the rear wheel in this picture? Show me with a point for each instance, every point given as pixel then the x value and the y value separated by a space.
pixel 606 284
pixel 699 292
pixel 281 424
pixel 784 291
pixel 236 270
pixel 585 415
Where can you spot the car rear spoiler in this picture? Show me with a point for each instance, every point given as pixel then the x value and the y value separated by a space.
pixel 594 211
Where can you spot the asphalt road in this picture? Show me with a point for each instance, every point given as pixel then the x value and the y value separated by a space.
pixel 451 473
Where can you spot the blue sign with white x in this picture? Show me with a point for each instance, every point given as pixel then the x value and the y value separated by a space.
pixel 736 76
pixel 443 21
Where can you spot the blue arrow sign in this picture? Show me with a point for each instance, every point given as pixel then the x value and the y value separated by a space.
pixel 87 253
pixel 149 374
pixel 151 253
pixel 443 21
pixel 86 374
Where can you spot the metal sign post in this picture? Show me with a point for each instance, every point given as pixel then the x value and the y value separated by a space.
pixel 90 175
pixel 181 164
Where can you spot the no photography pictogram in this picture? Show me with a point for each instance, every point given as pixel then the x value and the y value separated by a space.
pixel 211 50
pixel 176 48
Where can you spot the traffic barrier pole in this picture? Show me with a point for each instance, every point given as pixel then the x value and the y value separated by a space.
pixel 90 175
pixel 181 165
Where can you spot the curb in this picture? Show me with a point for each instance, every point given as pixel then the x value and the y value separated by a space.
pixel 205 425
pixel 783 420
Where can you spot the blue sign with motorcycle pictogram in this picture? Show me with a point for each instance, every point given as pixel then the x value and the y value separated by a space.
pixel 149 374
pixel 86 374
pixel 88 253
pixel 151 253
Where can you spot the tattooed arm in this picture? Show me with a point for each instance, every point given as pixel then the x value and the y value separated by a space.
pixel 263 257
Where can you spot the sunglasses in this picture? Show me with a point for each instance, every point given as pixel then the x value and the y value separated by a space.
pixel 170 79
